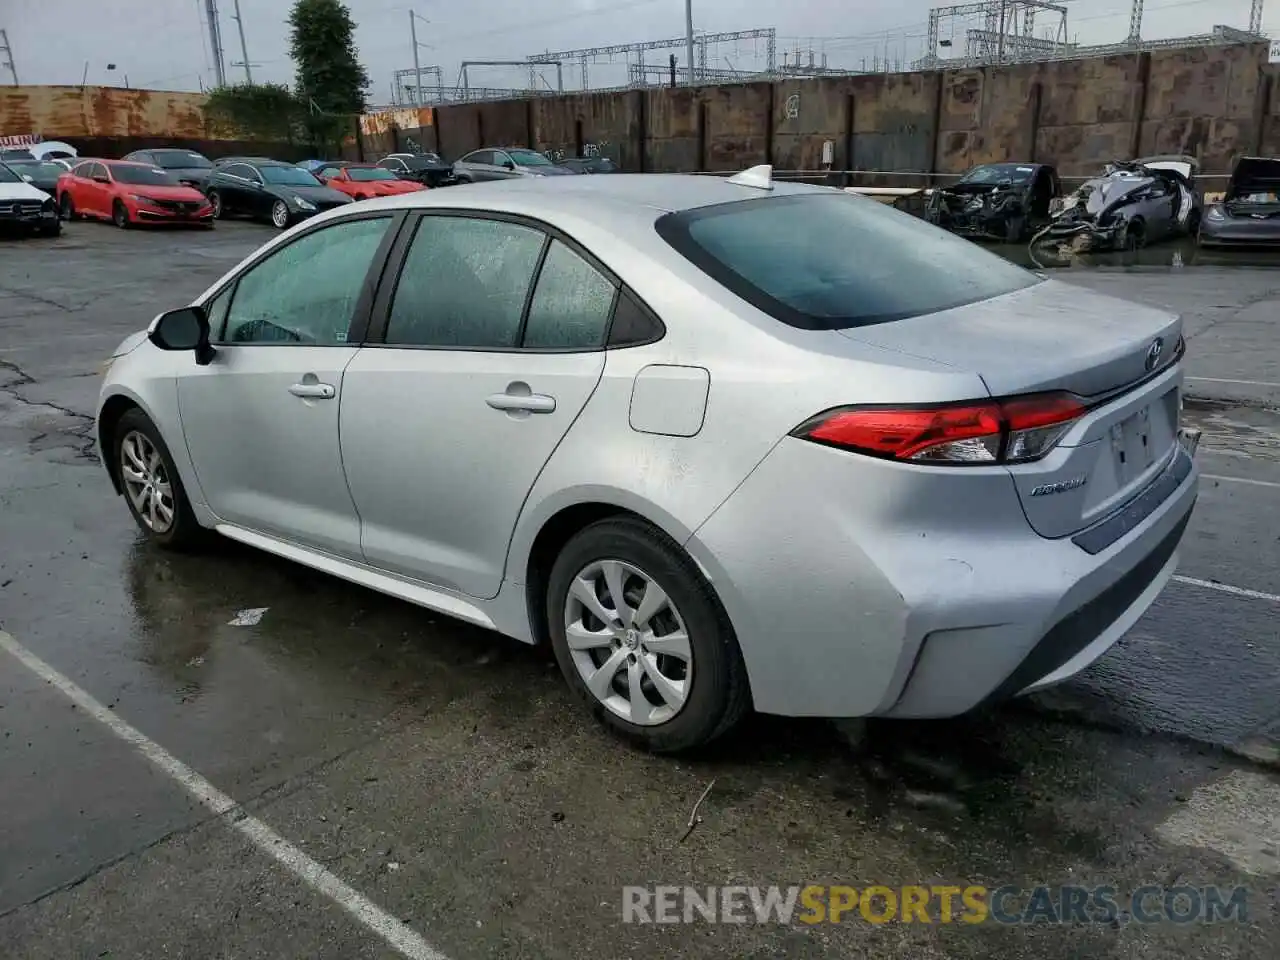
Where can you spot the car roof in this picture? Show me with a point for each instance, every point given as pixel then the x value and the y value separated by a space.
pixel 636 192
pixel 126 163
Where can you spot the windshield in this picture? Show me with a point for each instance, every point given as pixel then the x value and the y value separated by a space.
pixel 38 168
pixel 180 159
pixel 529 158
pixel 151 176
pixel 826 262
pixel 292 176
pixel 999 172
pixel 365 174
pixel 8 176
pixel 417 163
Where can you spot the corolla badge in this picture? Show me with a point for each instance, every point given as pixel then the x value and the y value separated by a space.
pixel 1060 486
pixel 1153 353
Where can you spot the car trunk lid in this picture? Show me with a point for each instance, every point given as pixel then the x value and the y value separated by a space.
pixel 1120 357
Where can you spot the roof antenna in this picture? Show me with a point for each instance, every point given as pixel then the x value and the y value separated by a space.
pixel 760 177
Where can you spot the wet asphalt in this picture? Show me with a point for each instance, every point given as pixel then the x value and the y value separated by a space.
pixel 444 773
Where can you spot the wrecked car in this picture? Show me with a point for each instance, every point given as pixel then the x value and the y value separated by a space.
pixel 1249 212
pixel 1133 203
pixel 996 201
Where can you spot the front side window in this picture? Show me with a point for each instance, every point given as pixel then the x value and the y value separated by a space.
pixel 330 172
pixel 571 303
pixel 827 261
pixel 464 283
pixel 306 292
pixel 479 156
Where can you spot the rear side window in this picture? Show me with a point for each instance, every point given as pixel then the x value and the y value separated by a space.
pixel 831 261
pixel 571 303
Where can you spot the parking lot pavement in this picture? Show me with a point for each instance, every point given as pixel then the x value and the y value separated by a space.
pixel 355 777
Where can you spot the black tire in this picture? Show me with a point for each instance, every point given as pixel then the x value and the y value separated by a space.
pixel 720 695
pixel 1015 230
pixel 215 198
pixel 67 208
pixel 52 229
pixel 184 532
pixel 1135 236
pixel 120 215
pixel 1193 223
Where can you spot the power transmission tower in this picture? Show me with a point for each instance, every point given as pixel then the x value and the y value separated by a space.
pixel 414 17
pixel 1255 17
pixel 215 42
pixel 7 51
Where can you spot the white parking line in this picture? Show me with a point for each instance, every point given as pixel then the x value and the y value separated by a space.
pixel 1247 383
pixel 1254 483
pixel 401 938
pixel 1228 588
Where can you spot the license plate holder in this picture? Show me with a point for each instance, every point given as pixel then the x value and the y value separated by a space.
pixel 1132 444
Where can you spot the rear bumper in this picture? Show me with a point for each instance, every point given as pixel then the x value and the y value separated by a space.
pixel 1239 233
pixel 926 605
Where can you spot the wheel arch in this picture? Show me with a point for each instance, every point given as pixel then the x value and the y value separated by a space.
pixel 109 413
pixel 539 541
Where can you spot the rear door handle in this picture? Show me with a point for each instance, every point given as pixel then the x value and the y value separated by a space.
pixel 526 402
pixel 314 391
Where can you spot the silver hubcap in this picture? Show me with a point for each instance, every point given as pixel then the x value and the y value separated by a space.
pixel 217 205
pixel 146 481
pixel 628 642
pixel 279 214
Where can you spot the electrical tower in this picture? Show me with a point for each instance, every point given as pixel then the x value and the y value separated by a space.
pixel 1007 32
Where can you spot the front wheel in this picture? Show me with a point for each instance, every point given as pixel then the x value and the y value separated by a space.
pixel 642 639
pixel 152 488
pixel 1193 223
pixel 215 201
pixel 1135 236
pixel 280 215
pixel 120 215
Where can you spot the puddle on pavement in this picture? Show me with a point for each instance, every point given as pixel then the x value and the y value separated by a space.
pixel 1235 430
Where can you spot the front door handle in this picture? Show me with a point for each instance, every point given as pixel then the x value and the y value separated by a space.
pixel 520 399
pixel 314 391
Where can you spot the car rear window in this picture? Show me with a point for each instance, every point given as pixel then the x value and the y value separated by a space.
pixel 828 261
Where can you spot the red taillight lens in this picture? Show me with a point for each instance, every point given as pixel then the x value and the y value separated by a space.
pixel 990 431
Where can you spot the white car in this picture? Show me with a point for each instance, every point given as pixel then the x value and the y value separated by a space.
pixel 25 207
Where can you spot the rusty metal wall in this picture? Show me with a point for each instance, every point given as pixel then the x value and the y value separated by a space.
pixel 64 112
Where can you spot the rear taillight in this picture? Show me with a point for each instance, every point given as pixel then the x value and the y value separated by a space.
pixel 1015 430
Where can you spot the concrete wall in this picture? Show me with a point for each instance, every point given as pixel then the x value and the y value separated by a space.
pixel 1215 103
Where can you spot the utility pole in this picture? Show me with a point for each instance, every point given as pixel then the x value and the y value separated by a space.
pixel 1000 43
pixel 244 51
pixel 215 42
pixel 688 35
pixel 7 62
pixel 417 67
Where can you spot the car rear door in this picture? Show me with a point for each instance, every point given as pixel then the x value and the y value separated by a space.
pixel 261 420
pixel 449 419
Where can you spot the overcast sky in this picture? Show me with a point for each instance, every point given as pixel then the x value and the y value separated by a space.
pixel 164 44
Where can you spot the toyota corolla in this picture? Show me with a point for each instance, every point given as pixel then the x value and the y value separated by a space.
pixel 722 443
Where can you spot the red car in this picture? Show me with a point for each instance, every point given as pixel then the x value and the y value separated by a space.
pixel 129 193
pixel 364 180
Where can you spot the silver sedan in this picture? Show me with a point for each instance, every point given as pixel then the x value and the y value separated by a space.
pixel 722 443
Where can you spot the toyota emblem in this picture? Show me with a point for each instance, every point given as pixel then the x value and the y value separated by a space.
pixel 1153 353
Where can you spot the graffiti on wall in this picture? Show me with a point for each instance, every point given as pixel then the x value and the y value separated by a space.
pixel 791 108
pixel 591 150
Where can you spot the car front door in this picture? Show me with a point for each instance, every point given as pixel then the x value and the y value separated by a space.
pixel 261 420
pixel 448 421
pixel 482 166
pixel 504 167
pixel 100 195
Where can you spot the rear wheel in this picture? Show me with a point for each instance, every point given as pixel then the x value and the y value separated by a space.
pixel 1135 236
pixel 641 637
pixel 279 215
pixel 152 488
pixel 120 215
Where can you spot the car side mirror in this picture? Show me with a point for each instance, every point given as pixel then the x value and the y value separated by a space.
pixel 186 328
pixel 509 164
pixel 27 177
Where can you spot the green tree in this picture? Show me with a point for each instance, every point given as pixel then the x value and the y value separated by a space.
pixel 259 111
pixel 331 81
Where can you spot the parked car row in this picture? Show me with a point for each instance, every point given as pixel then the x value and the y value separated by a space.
pixel 172 184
